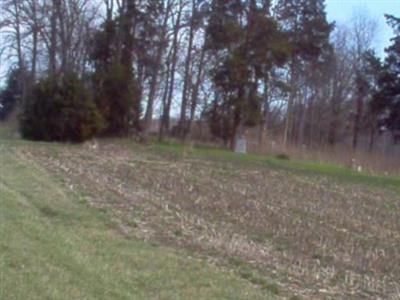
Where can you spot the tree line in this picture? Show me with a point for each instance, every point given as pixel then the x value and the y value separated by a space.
pixel 83 68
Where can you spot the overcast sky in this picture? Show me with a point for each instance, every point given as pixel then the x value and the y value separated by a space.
pixel 342 11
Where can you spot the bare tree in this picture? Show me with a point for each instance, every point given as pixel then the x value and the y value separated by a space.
pixel 363 33
pixel 165 119
pixel 162 45
pixel 340 84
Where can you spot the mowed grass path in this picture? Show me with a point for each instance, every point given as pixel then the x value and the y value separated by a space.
pixel 54 246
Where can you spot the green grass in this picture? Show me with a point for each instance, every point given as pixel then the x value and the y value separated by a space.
pixel 336 172
pixel 249 273
pixel 54 246
pixel 7 130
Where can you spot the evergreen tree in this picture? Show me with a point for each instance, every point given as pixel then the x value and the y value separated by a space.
pixel 117 91
pixel 248 44
pixel 372 68
pixel 60 110
pixel 387 99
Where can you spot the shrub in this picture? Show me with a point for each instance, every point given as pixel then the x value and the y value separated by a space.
pixel 60 111
pixel 283 156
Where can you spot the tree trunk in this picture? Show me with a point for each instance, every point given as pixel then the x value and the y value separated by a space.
pixel 18 36
pixel 237 121
pixel 164 103
pixel 156 70
pixel 311 113
pixel 35 32
pixel 21 62
pixel 371 137
pixel 166 119
pixel 62 33
pixel 195 93
pixel 357 121
pixel 127 59
pixel 289 111
pixel 263 127
pixel 302 123
pixel 187 77
pixel 53 41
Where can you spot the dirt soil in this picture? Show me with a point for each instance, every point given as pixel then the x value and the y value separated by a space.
pixel 314 237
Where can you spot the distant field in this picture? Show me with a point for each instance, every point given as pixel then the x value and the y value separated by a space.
pixel 118 220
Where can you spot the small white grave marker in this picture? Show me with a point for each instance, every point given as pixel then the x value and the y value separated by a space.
pixel 241 145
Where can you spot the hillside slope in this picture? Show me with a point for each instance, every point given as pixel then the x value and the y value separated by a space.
pixel 53 245
pixel 256 227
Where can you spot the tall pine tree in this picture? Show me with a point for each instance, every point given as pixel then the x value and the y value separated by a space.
pixel 387 99
pixel 248 44
pixel 117 91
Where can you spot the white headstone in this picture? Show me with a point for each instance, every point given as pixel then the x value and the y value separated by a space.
pixel 241 145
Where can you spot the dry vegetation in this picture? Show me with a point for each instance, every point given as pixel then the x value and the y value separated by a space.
pixel 300 235
pixel 373 162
